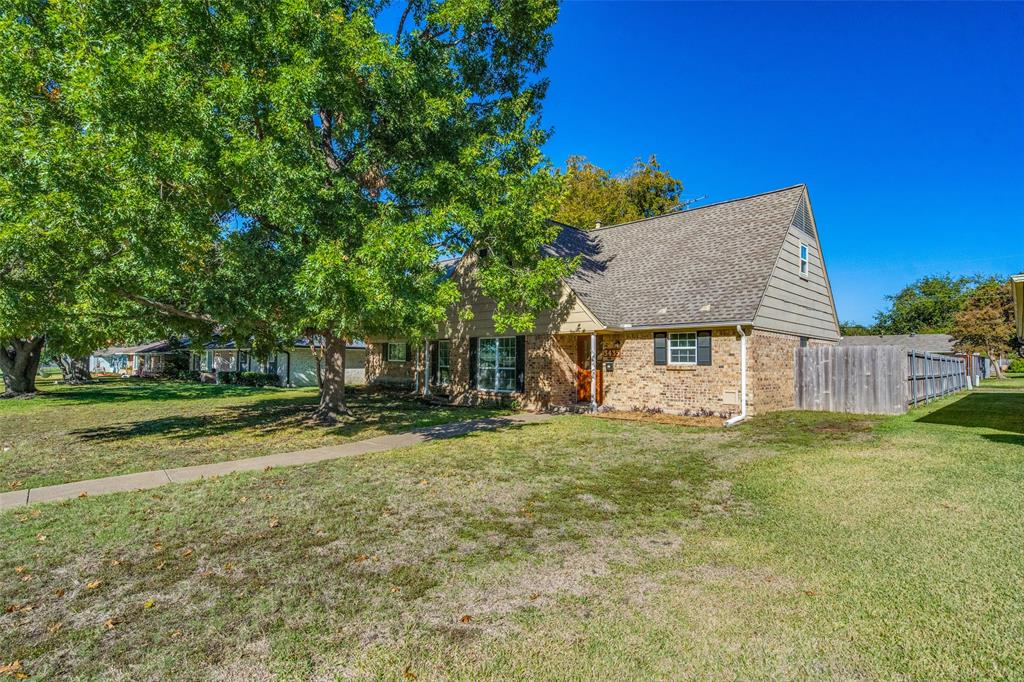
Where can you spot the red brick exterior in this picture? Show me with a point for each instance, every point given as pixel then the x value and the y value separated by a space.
pixel 635 382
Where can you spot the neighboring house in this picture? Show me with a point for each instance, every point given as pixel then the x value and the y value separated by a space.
pixel 694 311
pixel 145 360
pixel 941 344
pixel 1017 281
pixel 295 364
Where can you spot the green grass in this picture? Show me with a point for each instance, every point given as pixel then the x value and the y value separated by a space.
pixel 796 546
pixel 71 433
pixel 1009 381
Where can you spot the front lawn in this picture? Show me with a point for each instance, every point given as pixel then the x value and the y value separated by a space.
pixel 71 433
pixel 797 546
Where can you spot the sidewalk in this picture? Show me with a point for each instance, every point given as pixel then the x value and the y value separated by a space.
pixel 152 479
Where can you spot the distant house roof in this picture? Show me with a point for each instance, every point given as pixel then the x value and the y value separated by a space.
pixel 300 342
pixel 706 265
pixel 164 346
pixel 929 343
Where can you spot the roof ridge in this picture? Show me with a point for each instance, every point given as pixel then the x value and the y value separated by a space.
pixel 691 210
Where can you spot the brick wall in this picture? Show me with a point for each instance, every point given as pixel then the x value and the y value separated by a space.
pixel 550 374
pixel 770 370
pixel 636 382
pixel 382 372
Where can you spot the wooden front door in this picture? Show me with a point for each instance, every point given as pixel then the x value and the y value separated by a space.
pixel 583 369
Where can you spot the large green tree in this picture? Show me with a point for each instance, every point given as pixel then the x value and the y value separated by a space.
pixel 926 306
pixel 300 166
pixel 83 198
pixel 592 195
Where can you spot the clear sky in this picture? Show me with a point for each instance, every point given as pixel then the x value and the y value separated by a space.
pixel 906 121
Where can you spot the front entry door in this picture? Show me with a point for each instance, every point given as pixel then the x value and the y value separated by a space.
pixel 583 369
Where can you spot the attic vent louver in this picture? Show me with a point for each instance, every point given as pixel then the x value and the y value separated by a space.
pixel 802 219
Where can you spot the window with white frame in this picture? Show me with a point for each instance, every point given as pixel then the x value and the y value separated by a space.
pixel 803 260
pixel 496 364
pixel 444 368
pixel 682 348
pixel 397 352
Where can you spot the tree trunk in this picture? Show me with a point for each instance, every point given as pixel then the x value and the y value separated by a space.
pixel 75 370
pixel 19 362
pixel 994 359
pixel 332 392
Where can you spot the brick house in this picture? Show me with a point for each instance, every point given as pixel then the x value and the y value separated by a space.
pixel 694 311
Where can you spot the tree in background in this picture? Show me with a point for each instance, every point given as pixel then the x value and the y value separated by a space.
pixel 853 329
pixel 592 195
pixel 986 322
pixel 926 306
pixel 279 167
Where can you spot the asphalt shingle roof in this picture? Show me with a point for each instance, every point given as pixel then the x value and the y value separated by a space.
pixel 706 265
pixel 928 343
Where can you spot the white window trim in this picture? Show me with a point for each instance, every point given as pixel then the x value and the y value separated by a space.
pixel 480 367
pixel 805 260
pixel 448 366
pixel 393 344
pixel 668 348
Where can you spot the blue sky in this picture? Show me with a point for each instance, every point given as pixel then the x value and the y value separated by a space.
pixel 906 121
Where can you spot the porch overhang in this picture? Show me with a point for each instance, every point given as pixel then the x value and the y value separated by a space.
pixel 1017 282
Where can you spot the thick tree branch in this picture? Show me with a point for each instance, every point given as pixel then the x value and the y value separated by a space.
pixel 401 22
pixel 166 308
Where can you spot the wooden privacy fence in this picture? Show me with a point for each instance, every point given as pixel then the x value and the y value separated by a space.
pixel 873 379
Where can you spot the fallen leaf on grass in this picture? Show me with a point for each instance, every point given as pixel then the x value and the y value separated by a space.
pixel 466 619
pixel 14 485
pixel 810 593
pixel 158 547
pixel 274 522
pixel 267 468
pixel 19 569
pixel 187 553
pixel 115 562
pixel 84 493
pixel 535 596
pixel 59 592
pixel 176 634
pixel 10 668
pixel 149 604
pixel 26 578
pixel 93 585
pixel 41 537
pixel 408 673
pixel 111 623
pixel 361 558
pixel 243 499
pixel 160 566
pixel 55 628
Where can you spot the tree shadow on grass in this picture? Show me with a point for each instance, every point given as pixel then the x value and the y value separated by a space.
pixel 120 391
pixel 376 412
pixel 997 411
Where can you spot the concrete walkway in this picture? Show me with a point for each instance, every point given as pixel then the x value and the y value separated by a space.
pixel 152 479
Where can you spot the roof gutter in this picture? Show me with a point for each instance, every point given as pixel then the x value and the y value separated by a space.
pixel 687 325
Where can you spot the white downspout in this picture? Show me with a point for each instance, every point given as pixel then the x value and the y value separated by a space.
pixel 593 372
pixel 743 380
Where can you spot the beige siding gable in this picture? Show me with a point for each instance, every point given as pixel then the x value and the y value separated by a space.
pixel 473 315
pixel 796 304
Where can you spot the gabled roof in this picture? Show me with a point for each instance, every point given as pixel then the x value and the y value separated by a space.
pixel 702 266
pixel 929 343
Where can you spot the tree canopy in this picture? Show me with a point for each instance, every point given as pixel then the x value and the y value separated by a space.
pixel 926 306
pixel 592 195
pixel 278 167
pixel 985 324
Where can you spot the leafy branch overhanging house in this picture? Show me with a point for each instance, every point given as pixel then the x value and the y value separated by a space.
pixel 691 312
